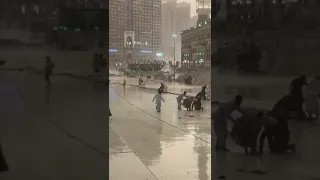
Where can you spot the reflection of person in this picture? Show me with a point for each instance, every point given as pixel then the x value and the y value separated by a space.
pixel 220 117
pixel 179 99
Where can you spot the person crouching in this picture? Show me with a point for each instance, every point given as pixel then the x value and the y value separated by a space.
pixel 220 118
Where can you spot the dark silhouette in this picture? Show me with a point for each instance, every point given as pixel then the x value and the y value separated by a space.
pixel 188 80
pixel 197 103
pixel 220 118
pixel 279 135
pixel 296 91
pixel 48 69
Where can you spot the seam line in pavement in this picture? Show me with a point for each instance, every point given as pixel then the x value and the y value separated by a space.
pixel 55 125
pixel 160 119
pixel 133 151
pixel 122 152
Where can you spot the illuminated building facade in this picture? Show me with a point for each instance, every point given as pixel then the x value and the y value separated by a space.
pixel 134 30
pixel 196 41
pixel 175 18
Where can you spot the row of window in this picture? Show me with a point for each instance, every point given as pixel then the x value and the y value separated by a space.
pixel 189 41
pixel 195 54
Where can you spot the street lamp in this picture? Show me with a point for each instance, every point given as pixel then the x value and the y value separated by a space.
pixel 174 56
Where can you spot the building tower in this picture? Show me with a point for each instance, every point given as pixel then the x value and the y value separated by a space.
pixel 203 11
pixel 168 27
pixel 134 30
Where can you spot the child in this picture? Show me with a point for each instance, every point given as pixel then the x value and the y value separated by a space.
pixel 158 99
pixel 179 99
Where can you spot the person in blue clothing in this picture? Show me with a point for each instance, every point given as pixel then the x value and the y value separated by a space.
pixel 158 97
pixel 220 118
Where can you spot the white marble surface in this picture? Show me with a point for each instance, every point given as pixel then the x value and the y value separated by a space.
pixel 171 147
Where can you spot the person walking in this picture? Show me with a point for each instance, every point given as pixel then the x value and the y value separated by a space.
pixel 179 99
pixel 220 118
pixel 158 97
pixel 124 83
pixel 48 69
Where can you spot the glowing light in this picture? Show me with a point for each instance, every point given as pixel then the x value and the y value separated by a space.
pixel 113 50
pixel 146 51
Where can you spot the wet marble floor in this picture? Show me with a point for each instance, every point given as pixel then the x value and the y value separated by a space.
pixel 61 133
pixel 171 144
pixel 57 133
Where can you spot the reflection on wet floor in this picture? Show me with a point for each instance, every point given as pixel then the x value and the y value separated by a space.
pixel 122 159
pixel 175 146
pixel 269 92
pixel 172 144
